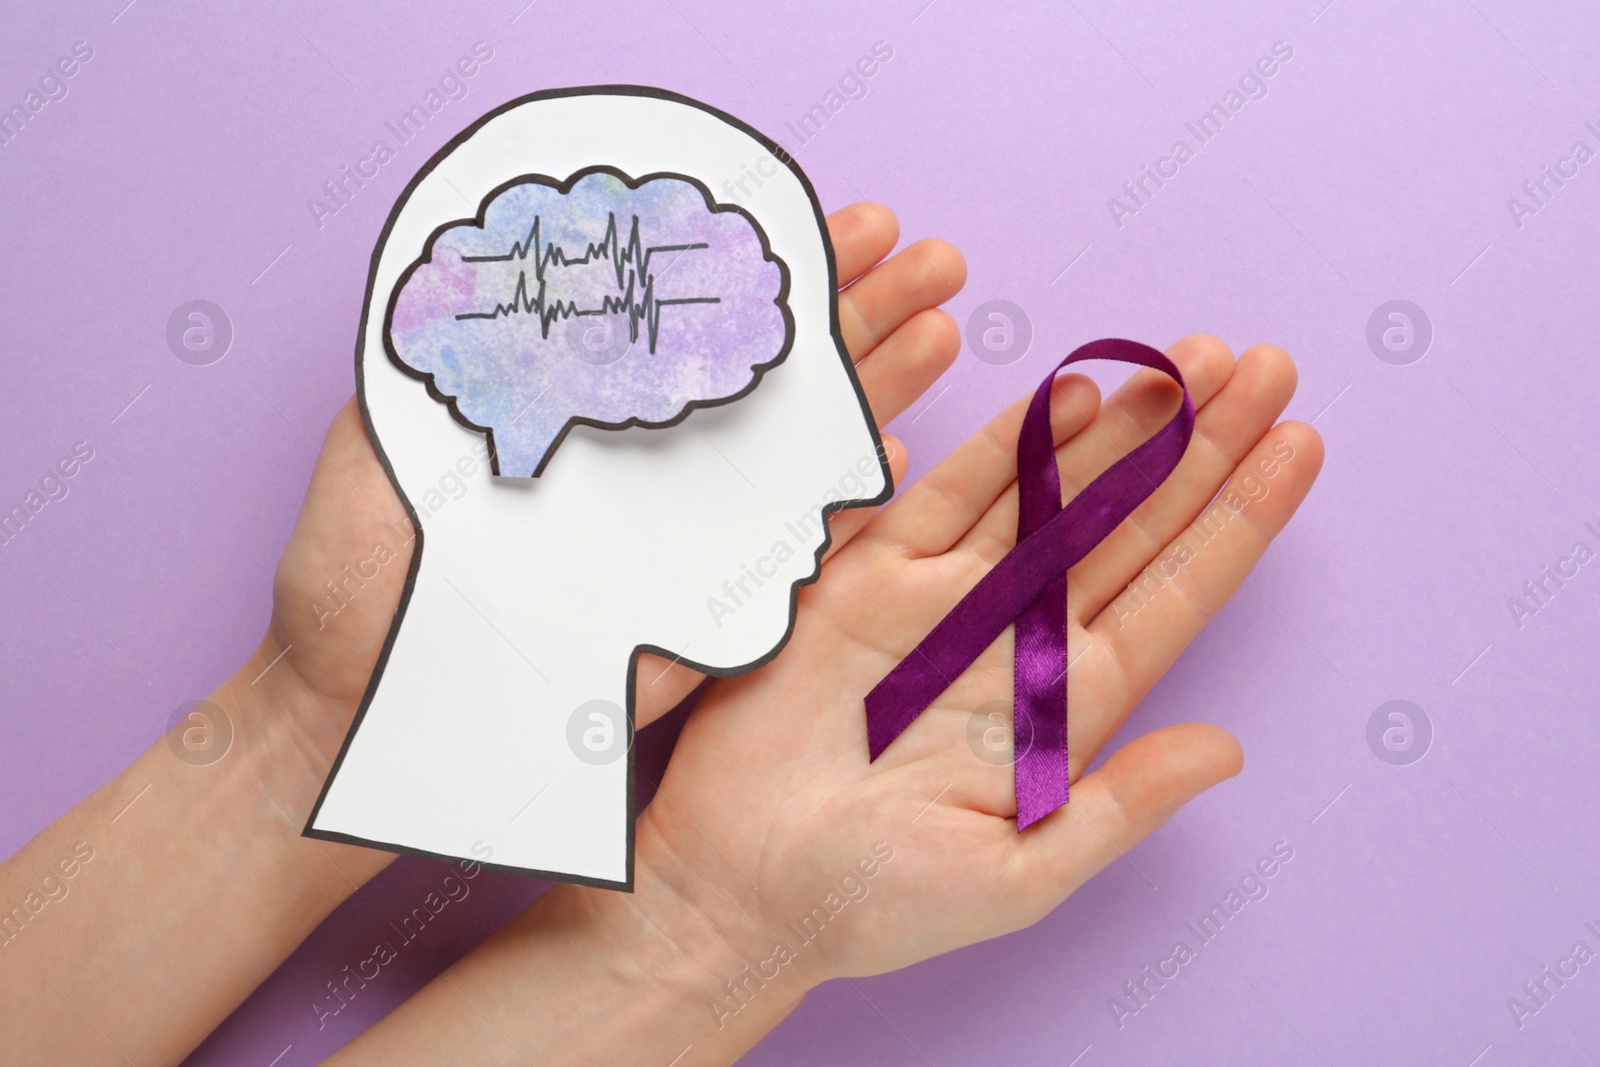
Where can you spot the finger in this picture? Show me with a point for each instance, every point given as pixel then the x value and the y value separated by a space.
pixel 1144 630
pixel 904 366
pixel 862 234
pixel 1226 429
pixel 941 507
pixel 1140 407
pixel 922 276
pixel 1140 787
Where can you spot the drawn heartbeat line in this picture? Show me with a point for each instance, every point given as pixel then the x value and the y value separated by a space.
pixel 631 261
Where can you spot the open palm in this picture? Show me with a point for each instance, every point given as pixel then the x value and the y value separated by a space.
pixel 773 845
pixel 770 801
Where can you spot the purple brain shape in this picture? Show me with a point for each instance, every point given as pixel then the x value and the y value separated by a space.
pixel 606 304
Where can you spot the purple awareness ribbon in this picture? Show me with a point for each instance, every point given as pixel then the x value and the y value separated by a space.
pixel 1029 587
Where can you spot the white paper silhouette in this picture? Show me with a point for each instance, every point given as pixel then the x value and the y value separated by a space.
pixel 678 501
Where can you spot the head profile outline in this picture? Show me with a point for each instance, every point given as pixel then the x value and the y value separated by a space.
pixel 527 584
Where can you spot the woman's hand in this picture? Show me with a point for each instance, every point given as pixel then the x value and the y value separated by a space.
pixel 121 974
pixel 775 856
pixel 770 800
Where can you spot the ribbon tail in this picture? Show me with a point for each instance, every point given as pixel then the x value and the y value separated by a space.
pixel 1039 733
pixel 888 715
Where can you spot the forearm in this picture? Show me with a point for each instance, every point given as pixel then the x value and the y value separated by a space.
pixel 588 976
pixel 138 920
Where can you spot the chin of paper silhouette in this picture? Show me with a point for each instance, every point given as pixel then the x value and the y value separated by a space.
pixel 497 725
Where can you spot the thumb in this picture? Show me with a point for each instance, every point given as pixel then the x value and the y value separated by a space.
pixel 1137 790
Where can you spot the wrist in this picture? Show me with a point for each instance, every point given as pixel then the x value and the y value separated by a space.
pixel 286 736
pixel 209 815
pixel 666 974
pixel 692 955
pixel 700 956
pixel 290 732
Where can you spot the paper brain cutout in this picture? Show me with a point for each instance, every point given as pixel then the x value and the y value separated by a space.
pixel 598 300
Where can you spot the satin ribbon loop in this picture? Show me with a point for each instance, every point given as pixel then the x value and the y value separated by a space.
pixel 1029 588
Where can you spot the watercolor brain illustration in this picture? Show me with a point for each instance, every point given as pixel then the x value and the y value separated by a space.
pixel 612 303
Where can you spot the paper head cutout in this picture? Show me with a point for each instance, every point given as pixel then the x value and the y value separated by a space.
pixel 600 300
pixel 686 456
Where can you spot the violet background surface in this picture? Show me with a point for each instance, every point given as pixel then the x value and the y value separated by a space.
pixel 1378 167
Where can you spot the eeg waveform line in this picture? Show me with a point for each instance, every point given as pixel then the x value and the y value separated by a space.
pixel 630 261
